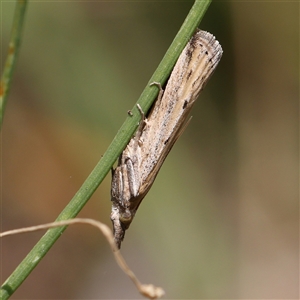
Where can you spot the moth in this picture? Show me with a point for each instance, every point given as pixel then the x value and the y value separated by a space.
pixel 143 157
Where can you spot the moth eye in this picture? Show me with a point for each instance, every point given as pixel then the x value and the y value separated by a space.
pixel 126 219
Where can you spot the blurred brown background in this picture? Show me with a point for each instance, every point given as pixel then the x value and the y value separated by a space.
pixel 221 220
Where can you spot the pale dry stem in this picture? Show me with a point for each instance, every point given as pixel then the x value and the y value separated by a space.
pixel 148 290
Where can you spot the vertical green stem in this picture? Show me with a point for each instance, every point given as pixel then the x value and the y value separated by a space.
pixel 13 50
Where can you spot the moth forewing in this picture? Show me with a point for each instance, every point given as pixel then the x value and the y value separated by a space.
pixel 144 155
pixel 192 70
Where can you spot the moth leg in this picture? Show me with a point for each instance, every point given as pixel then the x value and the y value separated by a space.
pixel 142 124
pixel 132 177
pixel 161 91
pixel 141 112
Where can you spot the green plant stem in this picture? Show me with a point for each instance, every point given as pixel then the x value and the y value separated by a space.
pixel 114 150
pixel 13 50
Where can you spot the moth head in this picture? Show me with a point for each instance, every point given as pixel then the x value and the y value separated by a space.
pixel 126 218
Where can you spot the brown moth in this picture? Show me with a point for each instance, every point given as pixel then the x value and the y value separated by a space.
pixel 144 155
